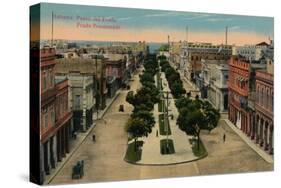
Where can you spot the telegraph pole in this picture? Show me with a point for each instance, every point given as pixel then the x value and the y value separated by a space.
pixel 166 113
pixel 52 37
pixel 97 92
pixel 226 32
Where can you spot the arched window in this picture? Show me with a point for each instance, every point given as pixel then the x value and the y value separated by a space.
pixel 267 99
pixel 272 101
pixel 262 97
pixel 258 97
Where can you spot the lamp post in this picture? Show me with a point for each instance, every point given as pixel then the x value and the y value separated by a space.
pixel 166 113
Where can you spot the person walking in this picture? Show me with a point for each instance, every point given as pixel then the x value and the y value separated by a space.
pixel 224 137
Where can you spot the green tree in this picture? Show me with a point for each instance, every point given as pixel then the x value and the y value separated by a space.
pixel 146 77
pixel 183 102
pixel 192 122
pixel 146 116
pixel 136 128
pixel 130 98
pixel 212 115
pixel 177 89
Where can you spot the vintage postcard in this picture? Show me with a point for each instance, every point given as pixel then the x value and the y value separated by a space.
pixel 129 94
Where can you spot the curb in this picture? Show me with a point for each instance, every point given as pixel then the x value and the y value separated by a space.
pixel 79 144
pixel 167 164
pixel 249 142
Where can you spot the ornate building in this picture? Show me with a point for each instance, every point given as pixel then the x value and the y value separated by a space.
pixel 263 133
pixel 251 100
pixel 47 115
pixel 206 51
pixel 55 116
pixel 238 83
pixel 213 83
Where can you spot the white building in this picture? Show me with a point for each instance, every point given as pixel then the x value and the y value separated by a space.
pixel 215 75
pixel 252 52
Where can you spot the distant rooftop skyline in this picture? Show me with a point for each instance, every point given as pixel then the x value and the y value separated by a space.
pixel 132 25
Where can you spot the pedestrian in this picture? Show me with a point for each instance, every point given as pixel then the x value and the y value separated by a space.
pixel 94 137
pixel 156 133
pixel 224 137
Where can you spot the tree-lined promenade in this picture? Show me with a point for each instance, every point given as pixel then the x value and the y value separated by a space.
pixel 141 121
pixel 104 159
pixel 194 115
pixel 191 115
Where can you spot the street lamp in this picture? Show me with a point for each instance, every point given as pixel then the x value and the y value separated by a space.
pixel 166 113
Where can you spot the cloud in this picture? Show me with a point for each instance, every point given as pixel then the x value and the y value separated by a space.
pixel 164 14
pixel 218 19
pixel 236 27
pixel 196 16
pixel 124 19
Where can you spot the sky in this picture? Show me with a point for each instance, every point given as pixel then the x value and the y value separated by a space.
pixel 80 22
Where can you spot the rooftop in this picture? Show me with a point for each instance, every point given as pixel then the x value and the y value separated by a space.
pixel 80 65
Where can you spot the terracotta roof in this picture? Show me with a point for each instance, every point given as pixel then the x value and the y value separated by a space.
pixel 262 44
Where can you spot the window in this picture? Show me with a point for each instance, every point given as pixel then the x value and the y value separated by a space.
pixel 267 99
pixel 44 83
pixel 262 97
pixel 77 101
pixel 53 117
pixel 46 120
pixel 272 102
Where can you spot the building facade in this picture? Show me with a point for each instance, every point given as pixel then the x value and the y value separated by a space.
pixel 207 51
pixel 47 115
pixel 63 120
pixel 55 116
pixel 253 52
pixel 82 96
pixel 264 129
pixel 239 73
pixel 213 83
pixel 251 100
pixel 116 67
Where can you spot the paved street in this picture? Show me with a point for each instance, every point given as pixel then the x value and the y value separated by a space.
pixel 104 159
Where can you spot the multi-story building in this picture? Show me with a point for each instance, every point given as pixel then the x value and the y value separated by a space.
pixel 63 117
pixel 253 52
pixel 47 115
pixel 88 90
pixel 175 53
pixel 264 129
pixel 239 74
pixel 55 115
pixel 116 67
pixel 213 83
pixel 197 51
pixel 251 100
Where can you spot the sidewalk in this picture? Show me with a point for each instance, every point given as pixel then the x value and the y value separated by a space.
pixel 268 158
pixel 78 141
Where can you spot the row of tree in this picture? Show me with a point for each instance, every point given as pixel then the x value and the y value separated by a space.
pixel 142 120
pixel 194 115
pixel 173 78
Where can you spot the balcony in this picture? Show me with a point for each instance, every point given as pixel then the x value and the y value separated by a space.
pixel 240 91
pixel 48 95
pixel 61 121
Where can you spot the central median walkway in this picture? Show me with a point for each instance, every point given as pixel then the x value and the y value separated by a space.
pixel 151 154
